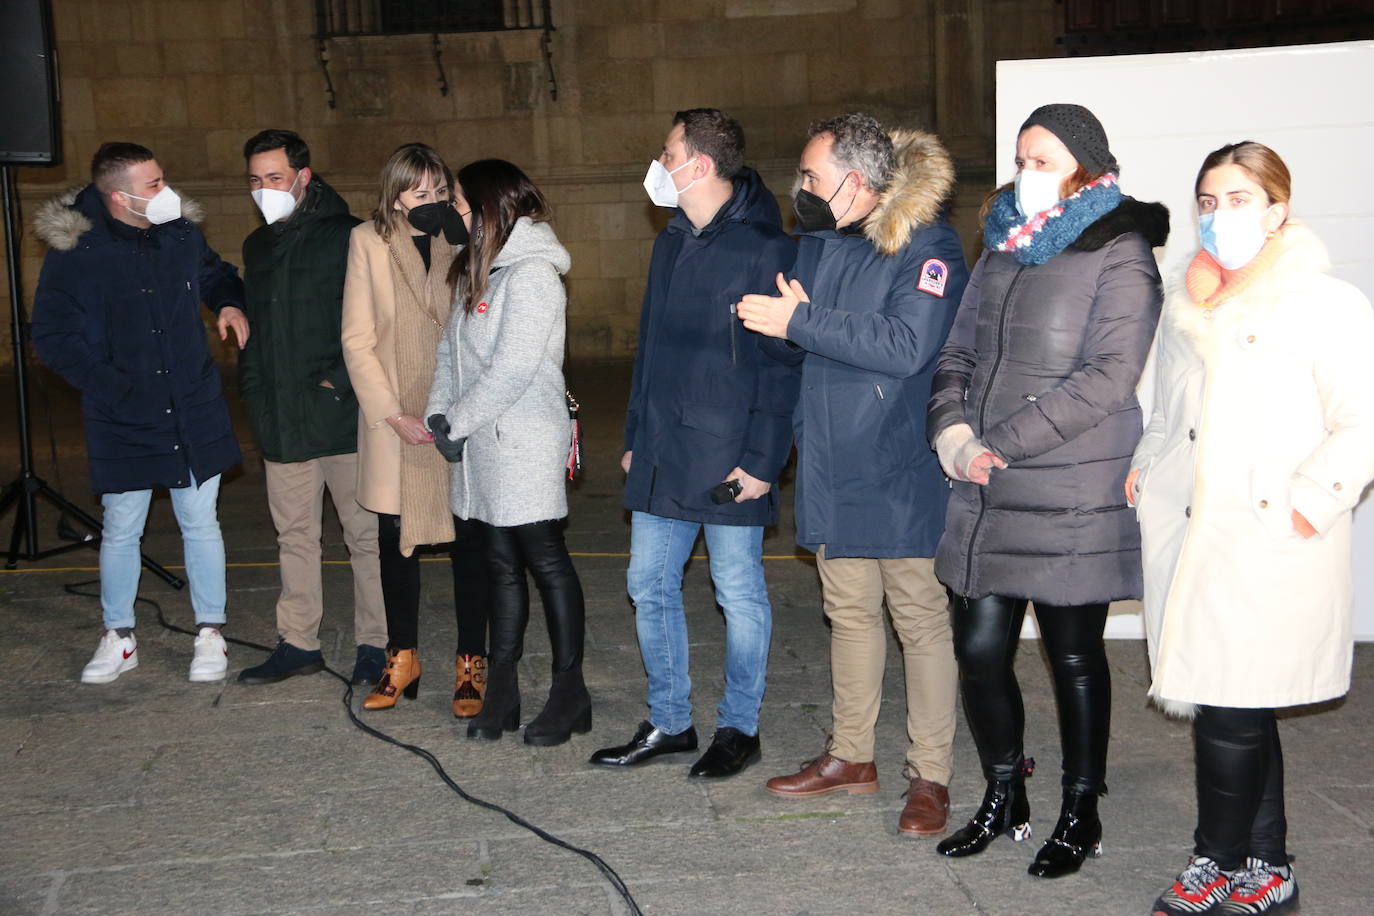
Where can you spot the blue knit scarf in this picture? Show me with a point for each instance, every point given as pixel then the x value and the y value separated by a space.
pixel 1045 234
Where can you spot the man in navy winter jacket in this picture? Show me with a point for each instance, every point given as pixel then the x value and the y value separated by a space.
pixel 117 314
pixel 877 282
pixel 707 407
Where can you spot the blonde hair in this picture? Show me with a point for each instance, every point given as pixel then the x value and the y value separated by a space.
pixel 404 171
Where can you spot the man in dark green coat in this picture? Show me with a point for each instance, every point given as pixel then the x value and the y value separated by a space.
pixel 301 404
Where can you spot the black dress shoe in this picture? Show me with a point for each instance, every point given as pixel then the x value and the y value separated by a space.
pixel 648 743
pixel 731 750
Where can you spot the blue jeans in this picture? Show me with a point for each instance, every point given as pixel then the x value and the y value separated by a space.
pixel 203 546
pixel 659 549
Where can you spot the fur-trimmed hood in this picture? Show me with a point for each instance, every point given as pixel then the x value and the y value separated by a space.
pixel 61 221
pixel 914 197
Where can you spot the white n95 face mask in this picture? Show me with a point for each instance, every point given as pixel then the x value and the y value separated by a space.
pixel 163 207
pixel 658 182
pixel 1233 237
pixel 276 205
pixel 1036 192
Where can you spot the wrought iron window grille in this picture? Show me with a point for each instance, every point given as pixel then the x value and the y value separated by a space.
pixel 371 18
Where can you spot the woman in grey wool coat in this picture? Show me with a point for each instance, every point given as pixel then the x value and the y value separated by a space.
pixel 498 411
pixel 1034 416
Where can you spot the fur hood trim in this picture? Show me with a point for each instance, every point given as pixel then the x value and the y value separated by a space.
pixel 60 223
pixel 1149 219
pixel 914 197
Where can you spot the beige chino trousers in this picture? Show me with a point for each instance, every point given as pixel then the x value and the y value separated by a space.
pixel 295 495
pixel 853 591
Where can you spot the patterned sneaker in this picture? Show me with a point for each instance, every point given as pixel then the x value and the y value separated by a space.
pixel 1261 888
pixel 115 655
pixel 211 659
pixel 1201 888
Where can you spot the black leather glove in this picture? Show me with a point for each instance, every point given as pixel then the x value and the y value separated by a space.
pixel 451 449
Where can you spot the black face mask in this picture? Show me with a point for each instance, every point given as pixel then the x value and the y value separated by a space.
pixel 813 213
pixel 437 217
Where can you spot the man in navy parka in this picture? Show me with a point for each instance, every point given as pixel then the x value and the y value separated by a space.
pixel 878 279
pixel 706 406
pixel 117 314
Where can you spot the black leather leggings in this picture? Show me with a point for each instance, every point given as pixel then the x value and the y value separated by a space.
pixel 1239 786
pixel 539 548
pixel 401 585
pixel 986 634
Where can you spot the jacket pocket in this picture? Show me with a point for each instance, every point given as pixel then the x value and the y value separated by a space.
pixel 1272 504
pixel 725 422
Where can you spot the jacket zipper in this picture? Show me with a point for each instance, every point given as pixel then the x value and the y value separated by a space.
pixel 734 348
pixel 982 416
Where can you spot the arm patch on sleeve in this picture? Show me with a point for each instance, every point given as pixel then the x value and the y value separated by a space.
pixel 934 275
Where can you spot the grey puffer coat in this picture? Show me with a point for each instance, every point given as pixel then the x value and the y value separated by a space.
pixel 1043 362
pixel 498 377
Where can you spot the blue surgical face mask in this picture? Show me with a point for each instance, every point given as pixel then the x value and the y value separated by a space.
pixel 1233 237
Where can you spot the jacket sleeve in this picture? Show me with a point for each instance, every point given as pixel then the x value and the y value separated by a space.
pixel 337 243
pixel 1330 481
pixel 768 438
pixel 534 304
pixel 898 339
pixel 958 356
pixel 59 319
pixel 358 334
pixel 220 284
pixel 633 407
pixel 1147 449
pixel 1120 327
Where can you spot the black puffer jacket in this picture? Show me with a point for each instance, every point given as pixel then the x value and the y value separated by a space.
pixel 1043 362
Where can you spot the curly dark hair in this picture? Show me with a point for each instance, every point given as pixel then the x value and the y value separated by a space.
pixel 712 132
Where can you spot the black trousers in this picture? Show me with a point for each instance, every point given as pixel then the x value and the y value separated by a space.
pixel 401 585
pixel 1239 786
pixel 539 549
pixel 986 634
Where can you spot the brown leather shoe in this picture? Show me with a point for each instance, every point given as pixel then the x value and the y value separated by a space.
pixel 401 675
pixel 824 775
pixel 469 685
pixel 927 808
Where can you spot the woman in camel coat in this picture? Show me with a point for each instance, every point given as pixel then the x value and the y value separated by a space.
pixel 396 300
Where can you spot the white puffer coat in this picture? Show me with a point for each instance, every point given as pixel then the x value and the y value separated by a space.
pixel 1264 405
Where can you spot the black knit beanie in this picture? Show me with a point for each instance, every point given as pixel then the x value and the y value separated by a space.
pixel 1080 132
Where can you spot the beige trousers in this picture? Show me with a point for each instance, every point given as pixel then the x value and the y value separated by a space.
pixel 853 590
pixel 295 495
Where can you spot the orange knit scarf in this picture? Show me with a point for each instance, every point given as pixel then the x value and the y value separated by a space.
pixel 1209 289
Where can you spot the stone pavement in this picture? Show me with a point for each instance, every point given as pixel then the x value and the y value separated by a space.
pixel 156 796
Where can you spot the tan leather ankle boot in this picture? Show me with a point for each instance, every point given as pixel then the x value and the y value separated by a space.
pixel 401 675
pixel 469 685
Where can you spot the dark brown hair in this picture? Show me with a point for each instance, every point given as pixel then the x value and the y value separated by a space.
pixel 112 160
pixel 1259 162
pixel 498 193
pixel 712 132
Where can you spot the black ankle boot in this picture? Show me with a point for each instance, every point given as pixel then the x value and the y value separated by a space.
pixel 1004 810
pixel 1078 833
pixel 568 711
pixel 501 706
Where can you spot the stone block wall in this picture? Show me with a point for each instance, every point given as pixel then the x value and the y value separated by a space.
pixel 192 79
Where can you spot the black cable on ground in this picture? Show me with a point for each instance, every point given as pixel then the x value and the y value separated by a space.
pixel 606 870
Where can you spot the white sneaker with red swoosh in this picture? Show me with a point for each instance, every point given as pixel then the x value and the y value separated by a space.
pixel 1261 888
pixel 115 655
pixel 211 659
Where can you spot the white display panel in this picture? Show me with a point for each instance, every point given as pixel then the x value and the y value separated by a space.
pixel 1164 112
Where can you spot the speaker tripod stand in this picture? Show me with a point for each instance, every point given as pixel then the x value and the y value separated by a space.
pixel 24 492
